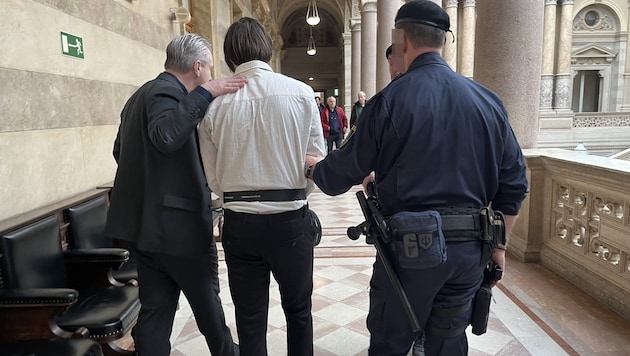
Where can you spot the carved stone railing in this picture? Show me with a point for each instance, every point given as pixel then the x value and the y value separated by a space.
pixel 601 119
pixel 576 222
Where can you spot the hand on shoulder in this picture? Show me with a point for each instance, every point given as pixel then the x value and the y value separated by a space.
pixel 222 86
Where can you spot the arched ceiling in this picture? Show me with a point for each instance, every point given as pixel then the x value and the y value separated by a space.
pixel 287 8
pixel 296 32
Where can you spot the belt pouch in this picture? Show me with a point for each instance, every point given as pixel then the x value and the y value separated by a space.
pixel 419 241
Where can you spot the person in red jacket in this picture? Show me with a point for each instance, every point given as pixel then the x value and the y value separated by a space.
pixel 334 123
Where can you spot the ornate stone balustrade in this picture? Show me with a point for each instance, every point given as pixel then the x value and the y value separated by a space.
pixel 576 222
pixel 601 119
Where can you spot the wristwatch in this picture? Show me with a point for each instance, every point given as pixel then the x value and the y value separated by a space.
pixel 308 172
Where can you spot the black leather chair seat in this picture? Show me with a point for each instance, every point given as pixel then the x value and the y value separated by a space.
pixel 54 347
pixel 105 312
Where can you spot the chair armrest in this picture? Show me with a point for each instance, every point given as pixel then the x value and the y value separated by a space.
pixel 91 267
pixel 27 314
pixel 36 297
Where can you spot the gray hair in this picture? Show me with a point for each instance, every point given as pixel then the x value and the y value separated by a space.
pixel 183 51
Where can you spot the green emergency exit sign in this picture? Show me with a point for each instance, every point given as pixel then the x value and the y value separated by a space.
pixel 71 45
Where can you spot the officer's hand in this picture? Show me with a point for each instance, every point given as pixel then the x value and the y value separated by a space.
pixel 312 160
pixel 366 180
pixel 224 85
pixel 498 257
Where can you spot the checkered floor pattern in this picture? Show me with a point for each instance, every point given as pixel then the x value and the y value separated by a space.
pixel 340 300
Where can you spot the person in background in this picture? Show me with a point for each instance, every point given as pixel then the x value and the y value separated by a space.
pixel 253 144
pixel 393 72
pixel 160 203
pixel 357 108
pixel 320 105
pixel 334 122
pixel 406 139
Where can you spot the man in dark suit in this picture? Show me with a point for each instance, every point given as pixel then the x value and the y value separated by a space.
pixel 160 202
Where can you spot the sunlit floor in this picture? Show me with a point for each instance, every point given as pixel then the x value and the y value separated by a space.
pixel 535 313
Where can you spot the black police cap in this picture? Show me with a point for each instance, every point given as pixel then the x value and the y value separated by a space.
pixel 424 12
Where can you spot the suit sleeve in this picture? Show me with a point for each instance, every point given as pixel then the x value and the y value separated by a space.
pixel 173 117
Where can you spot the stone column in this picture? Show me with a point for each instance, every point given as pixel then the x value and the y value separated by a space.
pixel 386 12
pixel 450 47
pixel 355 28
pixel 548 61
pixel 625 104
pixel 346 93
pixel 368 47
pixel 467 55
pixel 562 91
pixel 513 74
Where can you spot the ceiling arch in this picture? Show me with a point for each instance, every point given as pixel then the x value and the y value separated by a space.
pixel 334 9
pixel 296 32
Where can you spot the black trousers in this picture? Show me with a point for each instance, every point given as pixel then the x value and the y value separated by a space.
pixel 448 285
pixel 256 245
pixel 336 139
pixel 160 279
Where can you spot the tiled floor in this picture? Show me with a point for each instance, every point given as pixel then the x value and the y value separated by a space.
pixel 535 313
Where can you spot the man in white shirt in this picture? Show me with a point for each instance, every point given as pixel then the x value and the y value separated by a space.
pixel 253 145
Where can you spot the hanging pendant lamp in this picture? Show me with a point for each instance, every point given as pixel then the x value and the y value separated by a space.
pixel 312 14
pixel 311 49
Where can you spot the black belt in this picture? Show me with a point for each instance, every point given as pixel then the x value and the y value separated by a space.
pixel 265 195
pixel 460 224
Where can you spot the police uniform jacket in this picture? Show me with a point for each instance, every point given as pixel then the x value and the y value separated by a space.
pixel 434 139
pixel 160 201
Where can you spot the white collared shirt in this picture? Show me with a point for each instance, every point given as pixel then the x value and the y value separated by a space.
pixel 258 138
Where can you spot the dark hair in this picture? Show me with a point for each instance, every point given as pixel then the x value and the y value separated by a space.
pixel 247 40
pixel 422 35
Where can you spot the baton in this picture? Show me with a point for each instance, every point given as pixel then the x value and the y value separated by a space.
pixel 368 209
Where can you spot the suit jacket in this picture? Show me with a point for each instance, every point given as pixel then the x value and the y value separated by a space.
pixel 160 201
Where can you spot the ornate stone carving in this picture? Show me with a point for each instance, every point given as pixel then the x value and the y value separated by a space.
pixel 562 92
pixel 470 3
pixel 582 217
pixel 600 19
pixel 595 120
pixel 546 92
pixel 551 2
pixel 356 12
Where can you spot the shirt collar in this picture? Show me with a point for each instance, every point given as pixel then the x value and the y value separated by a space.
pixel 250 66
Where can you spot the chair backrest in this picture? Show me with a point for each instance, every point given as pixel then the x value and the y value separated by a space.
pixel 32 256
pixel 87 223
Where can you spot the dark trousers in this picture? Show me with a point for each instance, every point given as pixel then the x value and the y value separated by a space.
pixel 335 138
pixel 256 245
pixel 160 279
pixel 448 285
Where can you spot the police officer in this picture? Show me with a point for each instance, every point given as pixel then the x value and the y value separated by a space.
pixel 435 140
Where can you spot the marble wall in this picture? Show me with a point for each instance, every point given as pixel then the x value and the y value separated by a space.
pixel 58 114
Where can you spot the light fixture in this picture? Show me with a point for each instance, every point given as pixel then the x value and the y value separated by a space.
pixel 312 14
pixel 311 49
pixel 310 78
